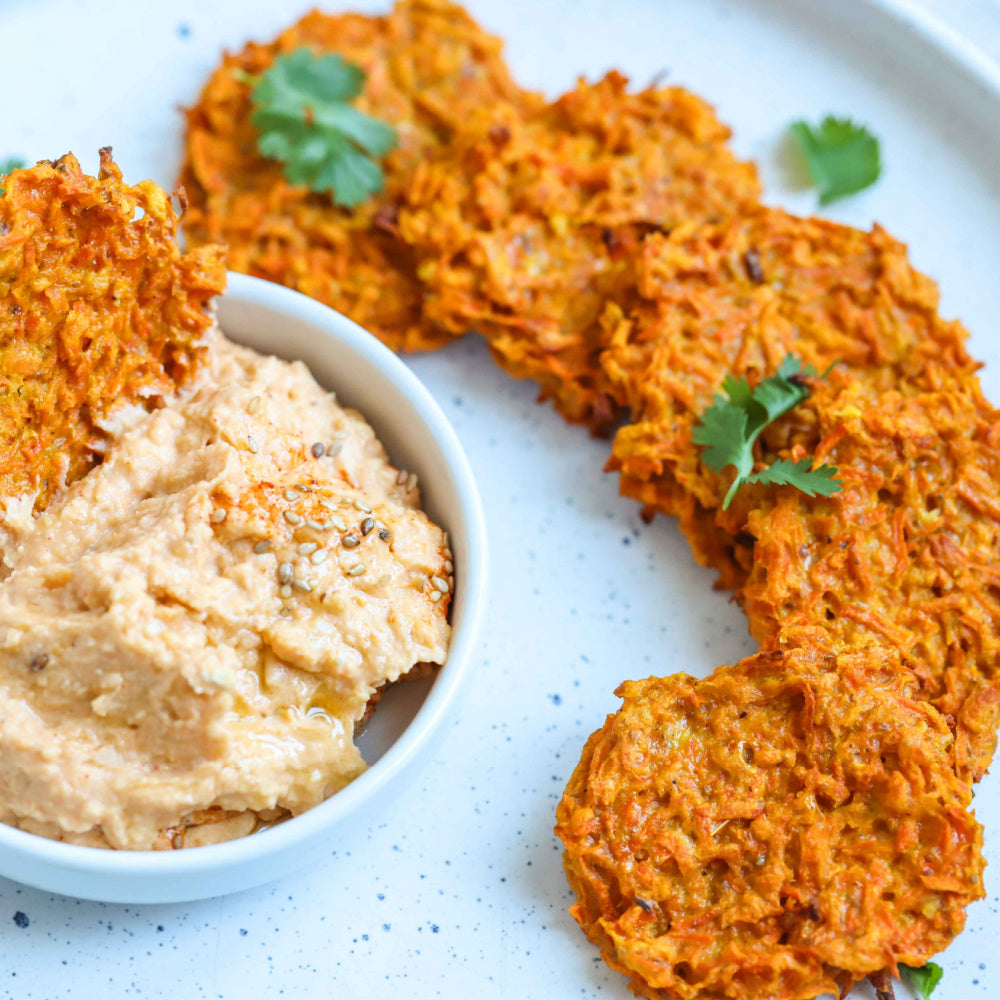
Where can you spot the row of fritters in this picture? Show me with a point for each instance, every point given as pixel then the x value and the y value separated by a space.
pixel 801 820
pixel 500 211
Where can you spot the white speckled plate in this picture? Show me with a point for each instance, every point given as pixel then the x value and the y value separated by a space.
pixel 457 890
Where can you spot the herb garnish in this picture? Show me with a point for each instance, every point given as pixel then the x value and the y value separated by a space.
pixel 923 979
pixel 304 119
pixel 6 166
pixel 730 426
pixel 842 157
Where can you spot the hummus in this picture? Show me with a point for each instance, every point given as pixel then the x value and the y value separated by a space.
pixel 190 634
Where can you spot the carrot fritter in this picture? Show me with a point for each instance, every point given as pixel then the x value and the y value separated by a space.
pixel 97 307
pixel 904 554
pixel 428 65
pixel 527 222
pixel 735 299
pixel 780 830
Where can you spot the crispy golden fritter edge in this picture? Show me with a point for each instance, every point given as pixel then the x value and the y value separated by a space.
pixel 98 307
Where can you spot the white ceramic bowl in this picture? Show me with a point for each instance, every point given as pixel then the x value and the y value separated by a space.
pixel 417 436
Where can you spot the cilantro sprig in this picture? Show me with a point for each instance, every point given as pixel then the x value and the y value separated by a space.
pixel 303 117
pixel 842 156
pixel 923 979
pixel 6 166
pixel 730 426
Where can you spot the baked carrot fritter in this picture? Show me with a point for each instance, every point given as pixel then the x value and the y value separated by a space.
pixel 527 222
pixel 734 300
pixel 98 307
pixel 428 66
pixel 781 829
pixel 904 554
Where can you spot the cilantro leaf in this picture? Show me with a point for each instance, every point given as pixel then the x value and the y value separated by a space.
pixel 723 434
pixel 842 157
pixel 923 979
pixel 6 166
pixel 730 426
pixel 303 118
pixel 801 475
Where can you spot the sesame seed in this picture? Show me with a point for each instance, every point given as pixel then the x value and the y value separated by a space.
pixel 285 591
pixel 331 524
pixel 335 448
pixel 328 504
pixel 441 585
pixel 261 547
pixel 411 483
pixel 350 541
pixel 449 567
pixel 315 525
pixel 302 585
pixel 356 570
pixel 218 516
pixel 385 534
pixel 367 526
pixel 290 495
pixel 285 572
pixel 319 557
pixel 292 518
pixel 285 612
pixel 252 444
pixel 302 488
pixel 401 477
pixel 318 449
pixel 307 548
pixel 340 435
pixel 435 595
pixel 362 506
pixel 253 404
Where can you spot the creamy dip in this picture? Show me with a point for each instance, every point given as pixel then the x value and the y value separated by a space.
pixel 190 634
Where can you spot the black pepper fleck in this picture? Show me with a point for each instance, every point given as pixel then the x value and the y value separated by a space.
pixel 751 260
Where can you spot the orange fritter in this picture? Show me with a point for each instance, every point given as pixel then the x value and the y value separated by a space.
pixel 735 299
pixel 780 830
pixel 527 222
pixel 97 307
pixel 905 553
pixel 429 65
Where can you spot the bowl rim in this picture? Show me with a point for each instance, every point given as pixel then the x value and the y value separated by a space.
pixel 432 712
